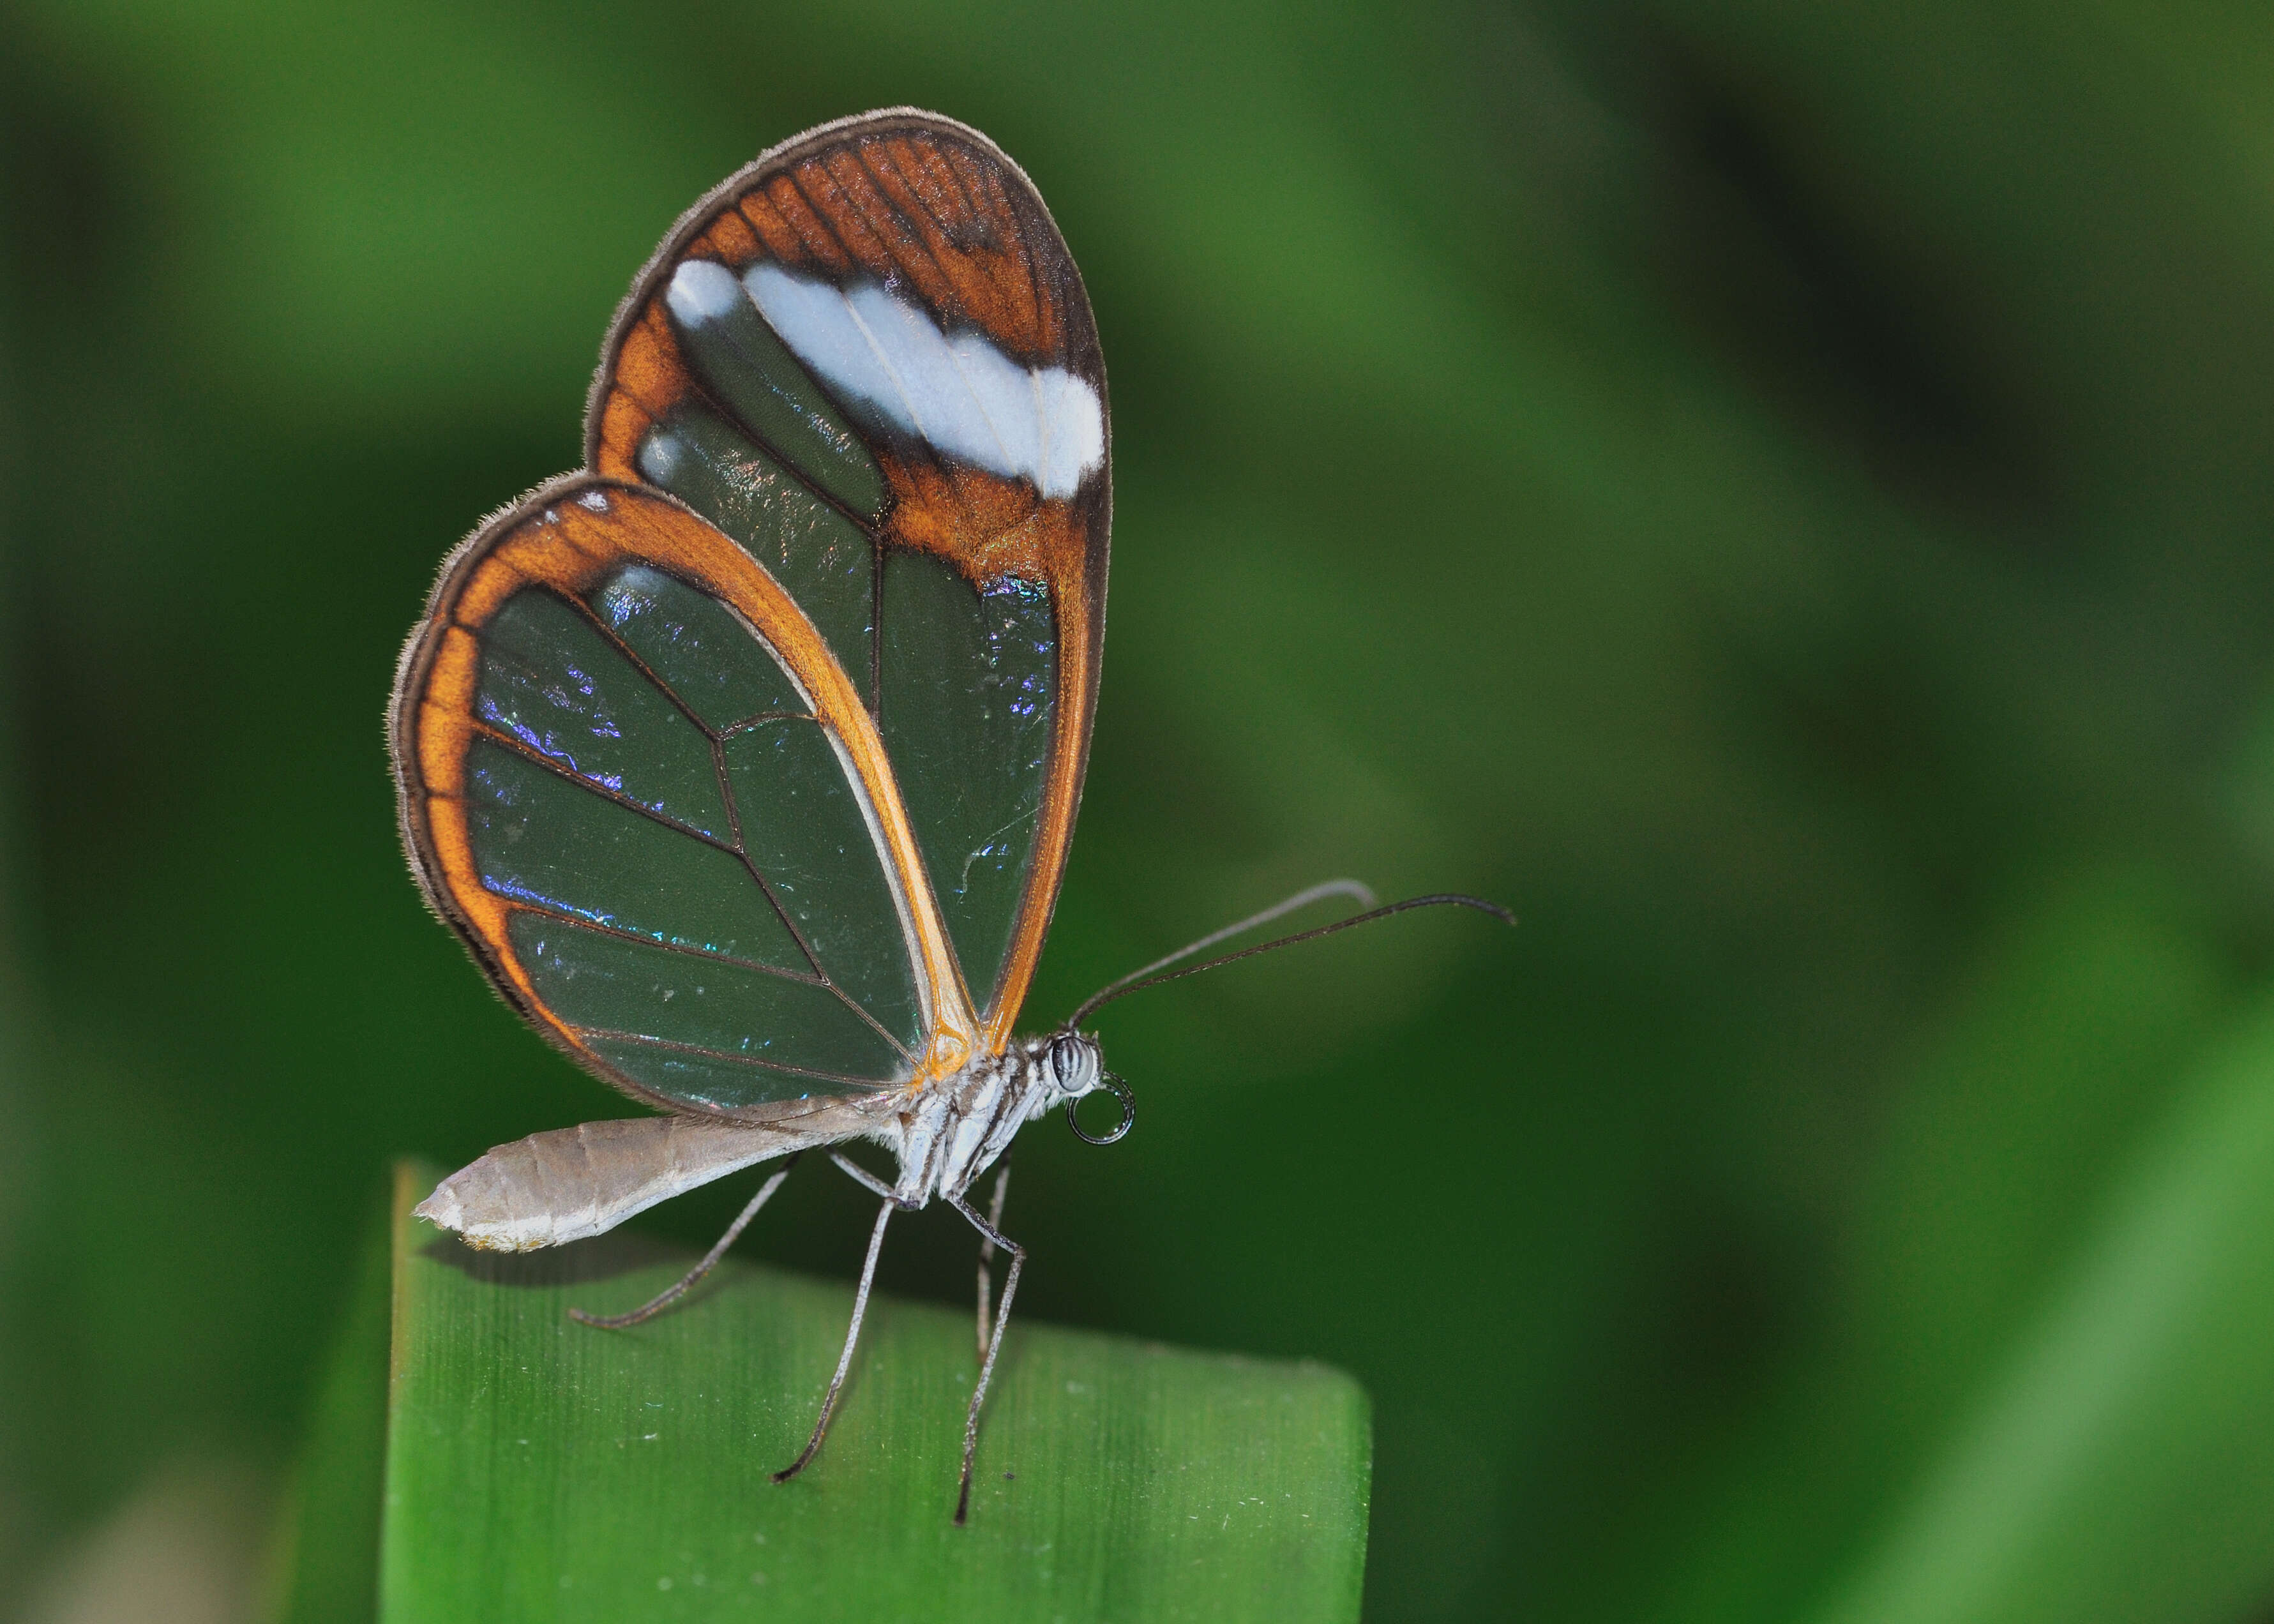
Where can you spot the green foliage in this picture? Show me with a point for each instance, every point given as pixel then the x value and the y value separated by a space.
pixel 1777 494
pixel 539 1469
pixel 2120 1465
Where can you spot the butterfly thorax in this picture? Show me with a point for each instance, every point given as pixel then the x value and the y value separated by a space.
pixel 956 1129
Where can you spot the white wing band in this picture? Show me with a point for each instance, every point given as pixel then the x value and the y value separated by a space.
pixel 961 396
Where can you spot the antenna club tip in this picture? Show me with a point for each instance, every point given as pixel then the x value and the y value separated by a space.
pixel 1506 915
pixel 1454 898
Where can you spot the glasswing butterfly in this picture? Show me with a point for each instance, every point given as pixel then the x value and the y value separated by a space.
pixel 744 760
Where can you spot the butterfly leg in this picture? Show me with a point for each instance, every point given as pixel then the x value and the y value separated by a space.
pixel 993 1237
pixel 671 1294
pixel 853 1332
pixel 987 1256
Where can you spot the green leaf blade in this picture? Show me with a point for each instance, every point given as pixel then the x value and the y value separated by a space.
pixel 541 1469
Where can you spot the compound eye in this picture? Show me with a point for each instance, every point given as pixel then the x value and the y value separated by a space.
pixel 1066 1057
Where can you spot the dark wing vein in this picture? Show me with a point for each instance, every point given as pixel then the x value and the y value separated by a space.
pixel 783 460
pixel 876 631
pixel 599 927
pixel 607 634
pixel 507 741
pixel 797 185
pixel 860 156
pixel 671 1044
pixel 761 718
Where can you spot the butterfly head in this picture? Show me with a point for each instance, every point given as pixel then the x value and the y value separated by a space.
pixel 1077 1069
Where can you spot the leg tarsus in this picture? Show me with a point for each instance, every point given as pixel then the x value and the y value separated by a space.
pixel 851 1336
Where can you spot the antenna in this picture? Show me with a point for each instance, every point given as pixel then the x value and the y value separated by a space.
pixel 1137 981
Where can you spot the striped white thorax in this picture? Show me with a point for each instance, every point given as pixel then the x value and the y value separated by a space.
pixel 954 1130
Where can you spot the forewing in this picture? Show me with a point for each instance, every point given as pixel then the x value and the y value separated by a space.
pixel 640 785
pixel 869 358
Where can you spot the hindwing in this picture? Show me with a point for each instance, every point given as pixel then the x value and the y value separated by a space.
pixel 747 761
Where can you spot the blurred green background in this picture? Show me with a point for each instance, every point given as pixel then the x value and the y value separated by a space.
pixel 1779 493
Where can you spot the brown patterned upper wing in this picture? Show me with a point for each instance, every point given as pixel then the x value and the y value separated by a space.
pixel 869 359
